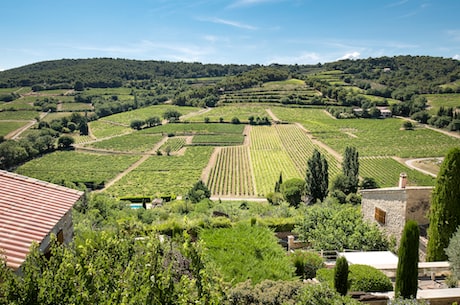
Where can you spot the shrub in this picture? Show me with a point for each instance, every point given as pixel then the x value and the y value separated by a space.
pixel 341 275
pixel 361 277
pixel 267 292
pixel 306 263
pixel 324 295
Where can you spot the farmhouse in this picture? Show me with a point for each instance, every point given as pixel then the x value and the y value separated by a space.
pixel 391 207
pixel 30 211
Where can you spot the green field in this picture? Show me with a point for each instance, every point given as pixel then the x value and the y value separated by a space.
pixel 103 129
pixel 76 107
pixel 228 112
pixel 134 142
pixel 164 174
pixel 7 127
pixel 386 172
pixel 144 113
pixel 218 139
pixel 196 128
pixel 372 137
pixel 18 115
pixel 435 101
pixel 76 166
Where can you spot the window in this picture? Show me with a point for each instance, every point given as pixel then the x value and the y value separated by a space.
pixel 380 215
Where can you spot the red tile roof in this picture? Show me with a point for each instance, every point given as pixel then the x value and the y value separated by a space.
pixel 29 210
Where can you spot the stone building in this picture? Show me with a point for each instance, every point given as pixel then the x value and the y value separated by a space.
pixel 391 207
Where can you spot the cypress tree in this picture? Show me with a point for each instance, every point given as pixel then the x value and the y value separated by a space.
pixel 317 177
pixel 407 271
pixel 350 168
pixel 445 207
pixel 341 275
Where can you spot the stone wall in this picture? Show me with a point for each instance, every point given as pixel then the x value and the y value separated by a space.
pixel 399 205
pixel 66 225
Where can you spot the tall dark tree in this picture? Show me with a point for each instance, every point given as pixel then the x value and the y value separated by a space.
pixel 317 178
pixel 278 183
pixel 341 275
pixel 445 207
pixel 350 168
pixel 407 270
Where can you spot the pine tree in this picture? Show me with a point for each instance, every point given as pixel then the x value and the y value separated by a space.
pixel 445 207
pixel 350 168
pixel 407 271
pixel 341 275
pixel 317 177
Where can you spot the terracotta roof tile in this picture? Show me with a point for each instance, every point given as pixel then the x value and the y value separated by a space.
pixel 29 209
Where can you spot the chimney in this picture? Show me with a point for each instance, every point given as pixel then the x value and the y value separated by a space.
pixel 402 180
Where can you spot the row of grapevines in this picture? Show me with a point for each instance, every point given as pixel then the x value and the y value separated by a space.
pixel 232 175
pixel 386 171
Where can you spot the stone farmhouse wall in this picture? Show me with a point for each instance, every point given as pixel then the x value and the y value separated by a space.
pixel 398 205
pixel 65 226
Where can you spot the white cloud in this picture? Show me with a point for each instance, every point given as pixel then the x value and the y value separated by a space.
pixel 304 58
pixel 232 23
pixel 352 55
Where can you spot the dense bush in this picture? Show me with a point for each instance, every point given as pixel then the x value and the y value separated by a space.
pixel 324 294
pixel 331 226
pixel 306 263
pixel 361 277
pixel 267 292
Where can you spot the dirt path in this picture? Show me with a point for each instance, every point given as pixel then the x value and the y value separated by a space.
pixel 212 161
pixel 321 144
pixel 16 133
pixel 448 133
pixel 272 115
pixel 135 164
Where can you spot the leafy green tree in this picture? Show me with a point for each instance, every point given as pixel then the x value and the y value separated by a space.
pixel 65 141
pixel 136 124
pixel 198 192
pixel 369 183
pixel 341 275
pixel 153 121
pixel 350 168
pixel 452 252
pixel 445 207
pixel 332 226
pixel 407 271
pixel 317 177
pixel 292 190
pixel 172 115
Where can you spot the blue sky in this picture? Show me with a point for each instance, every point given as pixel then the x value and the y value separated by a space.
pixel 227 31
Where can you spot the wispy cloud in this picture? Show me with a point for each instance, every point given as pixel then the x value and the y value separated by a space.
pixel 304 58
pixel 232 23
pixel 398 3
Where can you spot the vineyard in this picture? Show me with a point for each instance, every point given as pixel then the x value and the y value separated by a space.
pixel 174 144
pixel 7 127
pixel 164 174
pixel 134 142
pixel 386 172
pixel 232 174
pixel 218 139
pixel 227 112
pixel 76 166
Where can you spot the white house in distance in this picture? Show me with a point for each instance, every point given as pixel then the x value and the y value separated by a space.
pixel 30 211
